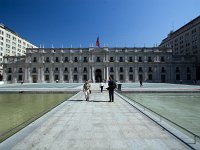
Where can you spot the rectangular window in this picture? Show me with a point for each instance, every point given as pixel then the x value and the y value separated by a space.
pixel 98 59
pixel 85 59
pixel 111 69
pixel 20 70
pixel 75 59
pixel 56 77
pixel 34 59
pixel 46 77
pixel 47 59
pixel 131 77
pixel 178 77
pixel 75 70
pixel 140 69
pixel 111 59
pixel 84 77
pixel 56 70
pixel 47 70
pixel 121 59
pixel 84 69
pixel 140 77
pixel 9 78
pixel 20 78
pixel 120 69
pixel 75 77
pixel 66 70
pixel 57 60
pixel 34 70
pixel 188 76
pixel 130 69
pixel 150 76
pixel 66 59
pixel 162 58
pixel 177 69
pixel 150 69
pixel 66 78
pixel 121 77
pixel 140 59
pixel 149 59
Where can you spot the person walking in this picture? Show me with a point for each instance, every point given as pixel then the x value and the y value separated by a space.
pixel 140 82
pixel 101 86
pixel 111 87
pixel 86 90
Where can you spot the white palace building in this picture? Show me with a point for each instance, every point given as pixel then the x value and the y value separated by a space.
pixel 75 65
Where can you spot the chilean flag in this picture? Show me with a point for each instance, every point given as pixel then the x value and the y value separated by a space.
pixel 97 42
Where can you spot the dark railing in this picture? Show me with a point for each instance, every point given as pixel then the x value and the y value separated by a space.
pixel 186 131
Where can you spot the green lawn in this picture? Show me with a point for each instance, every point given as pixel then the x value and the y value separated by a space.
pixel 15 109
pixel 181 108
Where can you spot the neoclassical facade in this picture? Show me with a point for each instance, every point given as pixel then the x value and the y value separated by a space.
pixel 75 65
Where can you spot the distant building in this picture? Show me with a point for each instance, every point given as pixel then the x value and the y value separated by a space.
pixel 185 41
pixel 75 65
pixel 11 44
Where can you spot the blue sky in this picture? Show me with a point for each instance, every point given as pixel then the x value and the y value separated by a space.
pixel 117 22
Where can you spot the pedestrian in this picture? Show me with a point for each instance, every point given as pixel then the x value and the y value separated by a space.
pixel 86 90
pixel 101 86
pixel 111 87
pixel 140 82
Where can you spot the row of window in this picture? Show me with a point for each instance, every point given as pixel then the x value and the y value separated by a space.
pixel 140 69
pixel 98 59
pixel 85 77
pixel 13 38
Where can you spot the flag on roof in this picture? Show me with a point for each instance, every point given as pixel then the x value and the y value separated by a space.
pixel 97 42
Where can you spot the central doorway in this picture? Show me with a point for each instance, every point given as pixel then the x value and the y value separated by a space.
pixel 34 77
pixel 98 75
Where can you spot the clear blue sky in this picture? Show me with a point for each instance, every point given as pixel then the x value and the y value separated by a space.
pixel 117 22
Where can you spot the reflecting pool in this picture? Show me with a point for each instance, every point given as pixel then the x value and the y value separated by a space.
pixel 181 108
pixel 17 108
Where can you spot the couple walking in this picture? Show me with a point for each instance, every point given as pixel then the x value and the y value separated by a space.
pixel 111 87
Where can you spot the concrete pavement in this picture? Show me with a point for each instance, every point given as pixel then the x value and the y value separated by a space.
pixel 94 125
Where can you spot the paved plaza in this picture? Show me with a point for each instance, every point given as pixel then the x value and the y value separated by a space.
pixel 132 87
pixel 97 124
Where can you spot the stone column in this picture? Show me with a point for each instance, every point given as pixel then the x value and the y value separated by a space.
pixel 39 75
pixel 80 74
pixel 126 74
pixel 70 75
pixel 107 75
pixel 42 74
pixel 104 73
pixel 26 74
pixel 15 75
pixel 51 75
pixel 90 72
pixel 93 75
pixel 29 75
pixel 61 74
pixel 136 74
pixel 116 73
pixel 5 75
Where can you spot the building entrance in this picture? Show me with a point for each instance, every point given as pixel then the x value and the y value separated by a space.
pixel 98 75
pixel 34 77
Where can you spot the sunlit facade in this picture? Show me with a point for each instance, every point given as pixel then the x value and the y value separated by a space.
pixel 75 65
pixel 185 41
pixel 11 44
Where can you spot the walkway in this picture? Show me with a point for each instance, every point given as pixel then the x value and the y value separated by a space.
pixel 95 125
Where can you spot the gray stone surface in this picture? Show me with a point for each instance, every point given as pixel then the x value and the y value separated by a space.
pixel 94 125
